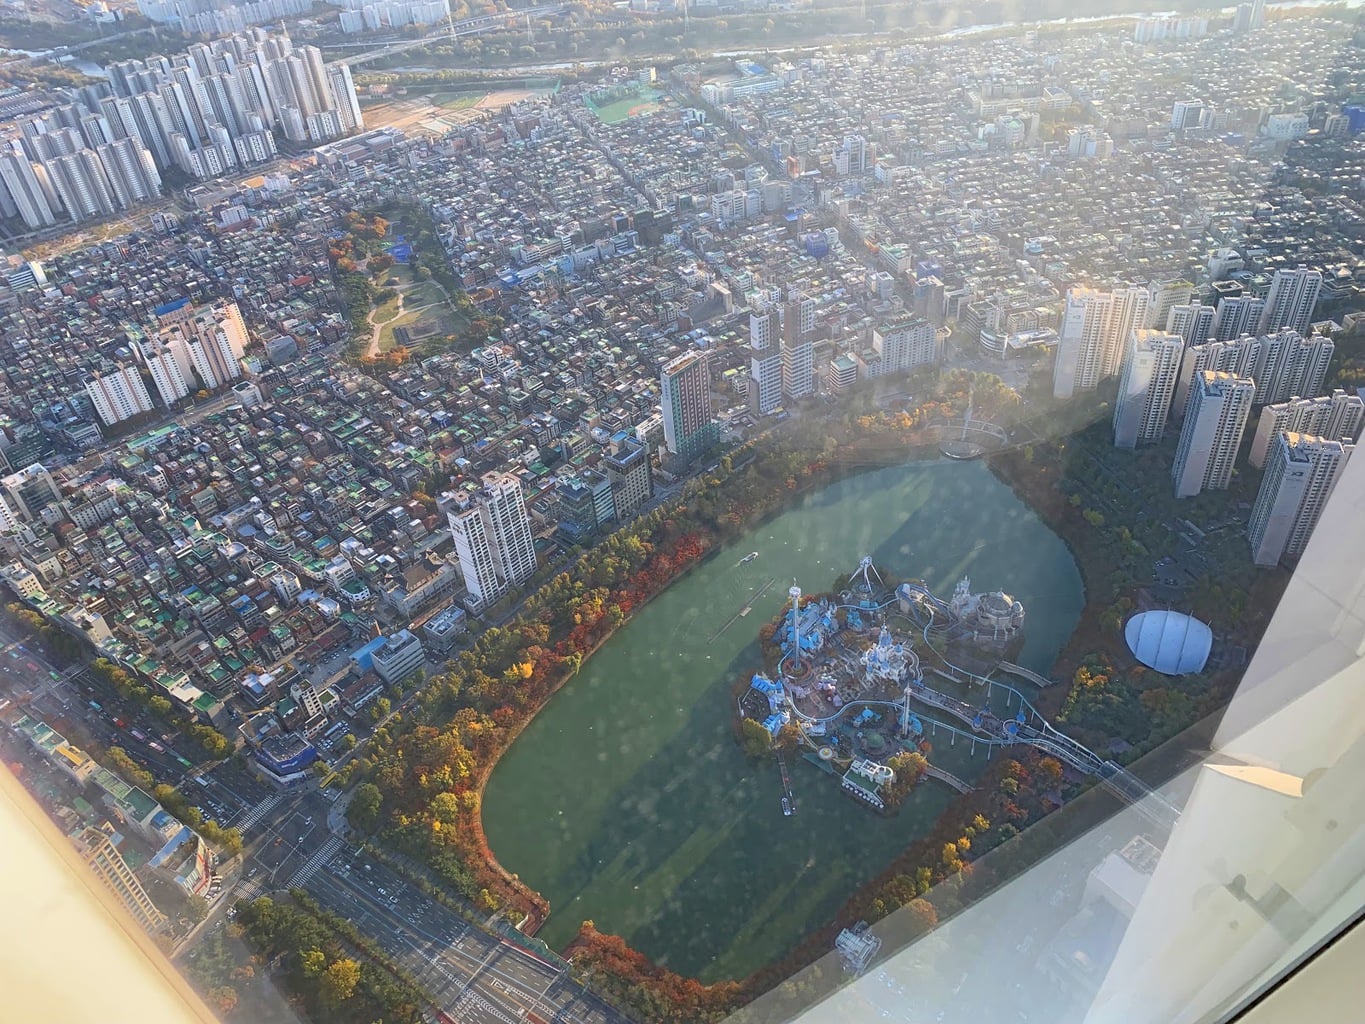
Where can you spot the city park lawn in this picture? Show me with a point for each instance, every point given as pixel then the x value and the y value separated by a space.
pixel 414 302
pixel 444 320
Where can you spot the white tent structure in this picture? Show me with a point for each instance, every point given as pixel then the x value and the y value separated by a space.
pixel 1173 643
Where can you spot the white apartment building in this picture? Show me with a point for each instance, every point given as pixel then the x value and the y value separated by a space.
pixel 798 368
pixel 1290 302
pixel 1300 473
pixel 1162 297
pixel 493 539
pixel 765 362
pixel 1238 316
pixel 1283 364
pixel 1095 327
pixel 399 657
pixel 118 394
pixel 765 328
pixel 1192 321
pixel 1217 415
pixel 765 381
pixel 169 366
pixel 1151 366
pixel 474 550
pixel 1337 417
pixel 905 343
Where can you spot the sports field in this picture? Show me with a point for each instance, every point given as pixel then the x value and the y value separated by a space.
pixel 644 101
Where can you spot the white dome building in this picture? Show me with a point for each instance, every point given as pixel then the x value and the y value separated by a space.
pixel 1172 643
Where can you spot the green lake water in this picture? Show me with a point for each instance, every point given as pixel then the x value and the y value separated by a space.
pixel 628 802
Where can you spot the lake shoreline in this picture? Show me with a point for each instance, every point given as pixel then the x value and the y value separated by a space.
pixel 840 468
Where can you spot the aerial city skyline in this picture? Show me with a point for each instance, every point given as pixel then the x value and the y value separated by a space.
pixel 350 405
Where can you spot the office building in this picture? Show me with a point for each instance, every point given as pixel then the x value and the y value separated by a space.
pixel 117 394
pixel 97 849
pixel 1290 302
pixel 689 428
pixel 1238 316
pixel 1214 422
pixel 1301 471
pixel 443 628
pixel 841 373
pixel 905 343
pixel 585 504
pixel 1337 417
pixel 1193 322
pixel 399 657
pixel 1151 366
pixel 627 467
pixel 493 540
pixel 284 759
pixel 1187 114
pixel 30 490
pixel 1095 327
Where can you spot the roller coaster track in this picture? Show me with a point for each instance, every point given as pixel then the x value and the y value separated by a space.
pixel 938 773
pixel 1024 673
pixel 1035 731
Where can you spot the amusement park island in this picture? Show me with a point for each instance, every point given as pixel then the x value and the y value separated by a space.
pixel 863 682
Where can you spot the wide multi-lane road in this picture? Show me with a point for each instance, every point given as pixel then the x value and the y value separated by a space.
pixel 473 975
pixel 466 27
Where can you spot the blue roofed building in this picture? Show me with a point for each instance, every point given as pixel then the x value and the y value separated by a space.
pixel 363 658
pixel 285 759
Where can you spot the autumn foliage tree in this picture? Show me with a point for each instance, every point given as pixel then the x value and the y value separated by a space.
pixel 645 990
pixel 909 768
